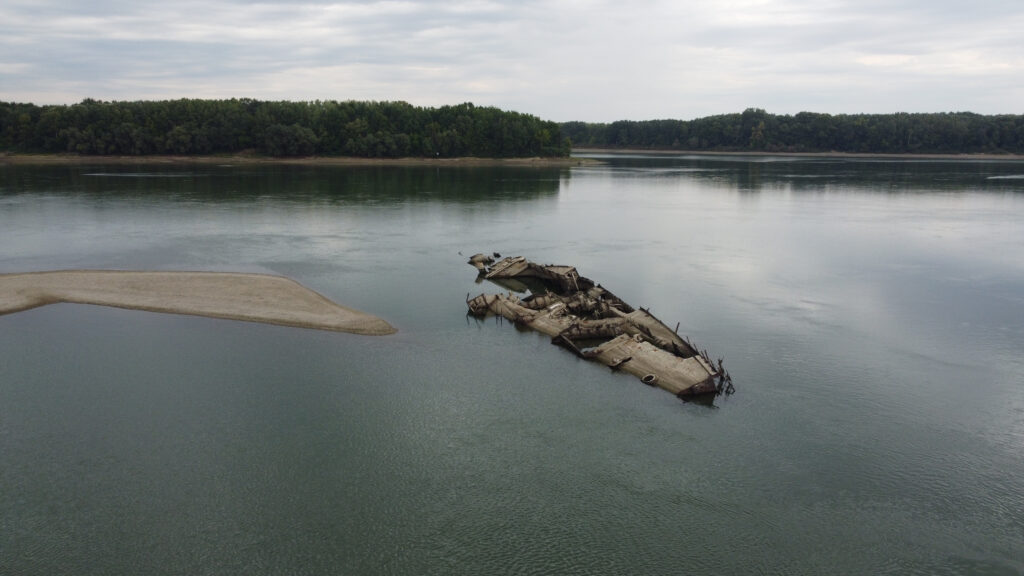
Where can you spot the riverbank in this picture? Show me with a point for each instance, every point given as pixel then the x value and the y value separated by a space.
pixel 241 159
pixel 234 296
pixel 1012 157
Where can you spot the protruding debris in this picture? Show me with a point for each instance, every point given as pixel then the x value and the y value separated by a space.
pixel 481 261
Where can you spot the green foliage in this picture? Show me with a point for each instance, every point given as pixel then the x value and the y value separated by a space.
pixel 330 128
pixel 755 129
pixel 294 140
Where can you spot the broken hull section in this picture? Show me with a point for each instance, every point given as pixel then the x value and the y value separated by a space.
pixel 596 325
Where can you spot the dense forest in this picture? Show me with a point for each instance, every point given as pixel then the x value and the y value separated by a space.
pixel 190 126
pixel 757 130
pixel 398 129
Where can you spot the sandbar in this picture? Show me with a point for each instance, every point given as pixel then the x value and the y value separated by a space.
pixel 248 159
pixel 235 296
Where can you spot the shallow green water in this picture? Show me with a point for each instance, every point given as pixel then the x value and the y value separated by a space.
pixel 871 313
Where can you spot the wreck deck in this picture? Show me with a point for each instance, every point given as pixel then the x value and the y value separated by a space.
pixel 574 309
pixel 656 367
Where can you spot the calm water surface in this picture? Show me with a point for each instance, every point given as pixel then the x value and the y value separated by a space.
pixel 871 313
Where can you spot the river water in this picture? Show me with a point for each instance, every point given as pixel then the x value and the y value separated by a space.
pixel 871 313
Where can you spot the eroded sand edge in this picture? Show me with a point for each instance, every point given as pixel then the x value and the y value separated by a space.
pixel 235 296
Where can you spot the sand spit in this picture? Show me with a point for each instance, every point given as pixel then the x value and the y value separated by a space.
pixel 249 297
pixel 240 159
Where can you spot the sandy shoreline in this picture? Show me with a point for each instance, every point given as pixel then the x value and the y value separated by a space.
pixel 1015 157
pixel 72 159
pixel 235 296
pixel 76 159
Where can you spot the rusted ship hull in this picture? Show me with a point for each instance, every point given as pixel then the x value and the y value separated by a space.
pixel 597 325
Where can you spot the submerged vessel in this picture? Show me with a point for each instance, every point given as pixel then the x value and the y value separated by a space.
pixel 596 325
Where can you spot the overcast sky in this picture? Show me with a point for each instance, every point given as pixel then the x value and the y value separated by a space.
pixel 575 60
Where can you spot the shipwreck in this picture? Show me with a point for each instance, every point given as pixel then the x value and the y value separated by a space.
pixel 596 325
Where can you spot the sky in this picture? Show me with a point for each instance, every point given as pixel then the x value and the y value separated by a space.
pixel 596 61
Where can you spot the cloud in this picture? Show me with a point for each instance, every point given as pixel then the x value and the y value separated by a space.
pixel 590 60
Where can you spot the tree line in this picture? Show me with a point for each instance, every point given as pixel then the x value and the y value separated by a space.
pixel 756 130
pixel 327 128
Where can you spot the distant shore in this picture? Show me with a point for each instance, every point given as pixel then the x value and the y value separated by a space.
pixel 72 159
pixel 470 161
pixel 662 152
